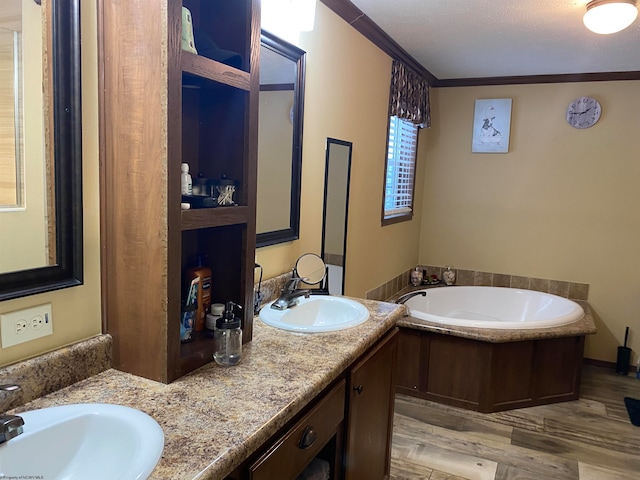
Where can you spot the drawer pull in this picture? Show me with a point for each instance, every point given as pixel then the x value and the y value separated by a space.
pixel 308 437
pixel 359 389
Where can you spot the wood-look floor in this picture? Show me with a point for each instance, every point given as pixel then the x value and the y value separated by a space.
pixel 588 439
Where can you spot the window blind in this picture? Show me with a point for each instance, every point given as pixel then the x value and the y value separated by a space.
pixel 401 165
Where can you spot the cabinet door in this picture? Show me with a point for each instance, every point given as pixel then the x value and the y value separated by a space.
pixel 409 360
pixel 370 418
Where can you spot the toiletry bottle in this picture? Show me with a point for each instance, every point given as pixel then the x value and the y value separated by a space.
pixel 228 337
pixel 416 277
pixel 185 180
pixel 217 310
pixel 203 298
pixel 449 276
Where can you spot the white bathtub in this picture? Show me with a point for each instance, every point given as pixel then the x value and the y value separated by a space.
pixel 493 307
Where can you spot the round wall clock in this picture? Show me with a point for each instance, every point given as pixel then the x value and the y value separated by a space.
pixel 583 112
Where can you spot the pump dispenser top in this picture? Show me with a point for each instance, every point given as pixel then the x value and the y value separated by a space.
pixel 229 319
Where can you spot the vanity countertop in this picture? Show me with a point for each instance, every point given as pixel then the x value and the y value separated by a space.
pixel 215 417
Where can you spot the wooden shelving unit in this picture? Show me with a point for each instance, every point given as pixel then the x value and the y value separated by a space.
pixel 161 106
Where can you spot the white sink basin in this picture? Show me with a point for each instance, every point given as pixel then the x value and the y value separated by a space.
pixel 83 441
pixel 316 314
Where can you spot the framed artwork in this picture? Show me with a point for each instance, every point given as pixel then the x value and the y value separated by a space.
pixel 491 126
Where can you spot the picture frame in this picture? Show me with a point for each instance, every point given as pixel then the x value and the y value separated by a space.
pixel 491 125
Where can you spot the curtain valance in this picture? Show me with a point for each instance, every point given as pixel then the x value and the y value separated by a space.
pixel 409 96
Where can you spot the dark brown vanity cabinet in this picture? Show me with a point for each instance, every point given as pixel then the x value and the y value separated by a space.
pixel 161 106
pixel 349 425
pixel 317 433
pixel 370 412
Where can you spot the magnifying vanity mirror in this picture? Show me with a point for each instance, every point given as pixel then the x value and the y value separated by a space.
pixel 282 68
pixel 311 268
pixel 41 183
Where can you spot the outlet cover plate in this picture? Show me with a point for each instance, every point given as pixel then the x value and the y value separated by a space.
pixel 25 325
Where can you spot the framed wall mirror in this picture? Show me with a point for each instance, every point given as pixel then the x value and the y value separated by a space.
pixel 40 75
pixel 282 70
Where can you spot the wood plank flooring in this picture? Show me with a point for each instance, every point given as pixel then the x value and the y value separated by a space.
pixel 588 439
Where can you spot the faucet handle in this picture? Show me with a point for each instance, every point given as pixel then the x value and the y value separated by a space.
pixel 292 283
pixel 9 387
pixel 10 427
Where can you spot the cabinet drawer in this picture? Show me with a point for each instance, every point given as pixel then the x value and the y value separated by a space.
pixel 287 457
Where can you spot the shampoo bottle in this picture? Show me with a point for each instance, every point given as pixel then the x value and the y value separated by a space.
pixel 203 297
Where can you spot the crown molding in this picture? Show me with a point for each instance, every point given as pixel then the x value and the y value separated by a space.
pixel 367 27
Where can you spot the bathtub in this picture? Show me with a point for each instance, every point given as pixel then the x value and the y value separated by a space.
pixel 493 307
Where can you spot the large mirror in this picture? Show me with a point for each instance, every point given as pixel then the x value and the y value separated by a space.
pixel 335 217
pixel 282 68
pixel 41 149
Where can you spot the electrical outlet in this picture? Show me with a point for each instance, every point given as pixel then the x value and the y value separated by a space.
pixel 25 325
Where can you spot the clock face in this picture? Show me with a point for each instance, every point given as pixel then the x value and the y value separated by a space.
pixel 583 112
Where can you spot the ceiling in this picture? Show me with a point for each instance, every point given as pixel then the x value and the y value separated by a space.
pixel 475 39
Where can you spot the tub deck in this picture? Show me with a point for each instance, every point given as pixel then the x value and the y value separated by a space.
pixel 584 326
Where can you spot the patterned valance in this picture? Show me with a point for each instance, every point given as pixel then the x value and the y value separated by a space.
pixel 409 96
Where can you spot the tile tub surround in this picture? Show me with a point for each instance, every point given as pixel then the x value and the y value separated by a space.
pixel 402 284
pixel 55 370
pixel 215 417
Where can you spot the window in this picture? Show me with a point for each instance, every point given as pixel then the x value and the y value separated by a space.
pixel 400 170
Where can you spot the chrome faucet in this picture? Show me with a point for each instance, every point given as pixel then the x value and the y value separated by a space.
pixel 10 425
pixel 290 294
pixel 403 298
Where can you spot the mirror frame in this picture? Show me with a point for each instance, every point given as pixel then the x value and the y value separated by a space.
pixel 297 56
pixel 67 163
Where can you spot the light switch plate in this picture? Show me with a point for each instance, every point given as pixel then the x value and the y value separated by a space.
pixel 25 325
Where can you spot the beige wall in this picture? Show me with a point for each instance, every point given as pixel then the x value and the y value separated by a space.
pixel 563 204
pixel 346 96
pixel 76 311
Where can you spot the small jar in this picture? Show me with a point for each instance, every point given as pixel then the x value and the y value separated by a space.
pixel 217 310
pixel 416 277
pixel 228 338
pixel 449 276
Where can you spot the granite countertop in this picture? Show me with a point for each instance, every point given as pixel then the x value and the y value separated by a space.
pixel 215 417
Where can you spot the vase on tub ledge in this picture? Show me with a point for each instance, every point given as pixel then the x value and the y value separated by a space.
pixel 416 277
pixel 449 276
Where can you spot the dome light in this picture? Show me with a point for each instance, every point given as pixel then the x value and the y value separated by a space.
pixel 610 16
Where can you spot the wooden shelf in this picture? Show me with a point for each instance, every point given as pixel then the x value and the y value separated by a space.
pixel 213 217
pixel 204 67
pixel 212 127
pixel 196 353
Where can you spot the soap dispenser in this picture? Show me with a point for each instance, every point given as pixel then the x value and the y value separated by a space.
pixel 228 337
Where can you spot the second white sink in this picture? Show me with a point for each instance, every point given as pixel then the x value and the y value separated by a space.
pixel 317 314
pixel 84 441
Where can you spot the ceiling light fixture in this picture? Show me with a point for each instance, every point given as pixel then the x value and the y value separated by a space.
pixel 610 16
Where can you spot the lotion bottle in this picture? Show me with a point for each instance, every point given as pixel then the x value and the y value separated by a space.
pixel 203 298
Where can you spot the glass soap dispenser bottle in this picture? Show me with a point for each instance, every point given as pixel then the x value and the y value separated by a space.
pixel 228 337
